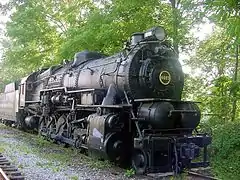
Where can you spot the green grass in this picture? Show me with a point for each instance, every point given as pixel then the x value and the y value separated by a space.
pixel 225 155
pixel 20 166
pixel 73 178
pixel 2 148
pixel 129 173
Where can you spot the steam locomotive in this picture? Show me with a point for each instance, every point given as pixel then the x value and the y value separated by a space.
pixel 126 108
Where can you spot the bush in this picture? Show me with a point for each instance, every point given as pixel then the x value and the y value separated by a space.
pixel 225 155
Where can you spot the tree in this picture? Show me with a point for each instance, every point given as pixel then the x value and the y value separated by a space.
pixel 42 33
pixel 227 15
pixel 215 63
pixel 36 31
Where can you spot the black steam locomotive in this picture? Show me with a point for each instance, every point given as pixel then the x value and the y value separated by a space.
pixel 126 108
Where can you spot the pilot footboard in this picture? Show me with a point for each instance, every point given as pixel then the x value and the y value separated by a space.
pixel 169 153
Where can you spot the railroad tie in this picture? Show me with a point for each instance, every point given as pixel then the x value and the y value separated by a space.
pixel 7 171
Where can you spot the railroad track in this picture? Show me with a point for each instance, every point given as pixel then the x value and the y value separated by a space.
pixel 201 176
pixel 196 174
pixel 8 171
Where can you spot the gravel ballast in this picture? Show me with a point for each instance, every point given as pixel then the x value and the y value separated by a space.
pixel 39 159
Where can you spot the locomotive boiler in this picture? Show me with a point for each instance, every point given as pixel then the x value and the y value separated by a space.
pixel 126 108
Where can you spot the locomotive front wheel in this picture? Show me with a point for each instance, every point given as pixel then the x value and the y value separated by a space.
pixel 139 161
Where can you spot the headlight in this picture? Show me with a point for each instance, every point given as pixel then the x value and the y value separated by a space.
pixel 156 32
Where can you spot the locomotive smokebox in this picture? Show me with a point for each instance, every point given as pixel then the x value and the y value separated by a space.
pixel 31 122
pixel 157 114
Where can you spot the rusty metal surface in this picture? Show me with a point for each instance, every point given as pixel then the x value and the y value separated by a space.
pixel 201 175
pixel 3 176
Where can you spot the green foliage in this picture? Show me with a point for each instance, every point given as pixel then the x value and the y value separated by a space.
pixel 2 148
pixel 42 33
pixel 226 13
pixel 107 28
pixel 193 88
pixel 74 178
pixel 213 83
pixel 226 150
pixel 215 56
pixel 216 87
pixel 41 141
pixel 129 173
